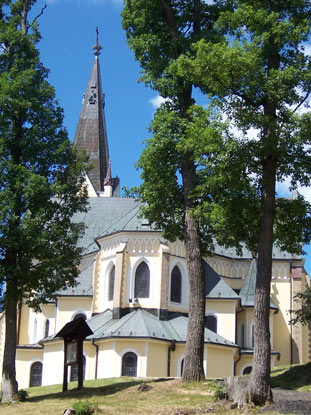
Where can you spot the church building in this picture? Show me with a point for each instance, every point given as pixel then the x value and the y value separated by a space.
pixel 133 290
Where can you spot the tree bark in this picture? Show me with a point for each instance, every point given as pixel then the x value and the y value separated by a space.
pixel 193 365
pixel 260 378
pixel 9 385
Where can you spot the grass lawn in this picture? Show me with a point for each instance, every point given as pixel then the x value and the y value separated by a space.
pixel 115 397
pixel 121 396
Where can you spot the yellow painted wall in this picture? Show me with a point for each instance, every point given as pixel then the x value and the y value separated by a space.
pixel 53 363
pixel 157 359
pixel 68 306
pixel 219 361
pixel 225 313
pixel 280 292
pixel 24 359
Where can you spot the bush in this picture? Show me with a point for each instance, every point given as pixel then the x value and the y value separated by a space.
pixel 22 395
pixel 220 391
pixel 85 407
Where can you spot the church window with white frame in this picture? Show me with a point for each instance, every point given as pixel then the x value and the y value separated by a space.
pixel 111 279
pixel 211 323
pixel 176 285
pixel 142 281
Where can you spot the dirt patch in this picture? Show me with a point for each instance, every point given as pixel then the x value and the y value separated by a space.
pixel 290 402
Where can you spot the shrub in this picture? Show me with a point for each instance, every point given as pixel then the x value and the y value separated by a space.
pixel 22 395
pixel 85 407
pixel 220 391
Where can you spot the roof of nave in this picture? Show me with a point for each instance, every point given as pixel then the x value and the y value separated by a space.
pixel 84 280
pixel 247 293
pixel 277 253
pixel 102 214
pixel 142 324
pixel 215 286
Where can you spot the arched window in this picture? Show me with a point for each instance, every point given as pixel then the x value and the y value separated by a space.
pixel 142 281
pixel 36 374
pixel 247 370
pixel 74 371
pixel 46 327
pixel 242 335
pixel 211 323
pixel 34 334
pixel 252 336
pixel 176 285
pixel 129 364
pixel 111 283
pixel 79 315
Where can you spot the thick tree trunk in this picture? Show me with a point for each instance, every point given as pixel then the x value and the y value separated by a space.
pixel 260 378
pixel 193 366
pixel 9 386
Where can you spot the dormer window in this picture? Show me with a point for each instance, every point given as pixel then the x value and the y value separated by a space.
pixel 176 282
pixel 142 281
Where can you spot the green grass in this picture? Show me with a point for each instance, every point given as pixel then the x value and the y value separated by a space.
pixel 120 396
pixel 297 377
pixel 115 397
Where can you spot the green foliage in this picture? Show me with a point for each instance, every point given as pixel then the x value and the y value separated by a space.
pixel 41 174
pixel 85 407
pixel 219 390
pixel 303 314
pixel 22 395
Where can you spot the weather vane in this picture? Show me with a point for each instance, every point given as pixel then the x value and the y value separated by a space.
pixel 97 48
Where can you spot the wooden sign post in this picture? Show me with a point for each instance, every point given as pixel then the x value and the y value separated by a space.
pixel 73 334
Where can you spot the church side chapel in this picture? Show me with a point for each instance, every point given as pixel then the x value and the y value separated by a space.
pixel 133 290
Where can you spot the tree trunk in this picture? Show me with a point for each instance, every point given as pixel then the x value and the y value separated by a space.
pixel 260 378
pixel 193 365
pixel 9 385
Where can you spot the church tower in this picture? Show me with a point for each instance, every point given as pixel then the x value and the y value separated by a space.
pixel 91 135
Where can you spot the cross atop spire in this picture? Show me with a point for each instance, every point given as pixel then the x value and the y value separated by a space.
pixel 97 48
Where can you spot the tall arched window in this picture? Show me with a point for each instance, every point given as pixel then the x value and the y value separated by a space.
pixel 176 285
pixel 46 327
pixel 74 371
pixel 142 281
pixel 129 364
pixel 34 333
pixel 242 334
pixel 111 283
pixel 36 374
pixel 211 323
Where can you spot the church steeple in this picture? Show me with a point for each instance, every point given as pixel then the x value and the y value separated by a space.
pixel 91 133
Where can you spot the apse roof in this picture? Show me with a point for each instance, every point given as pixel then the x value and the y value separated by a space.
pixel 142 324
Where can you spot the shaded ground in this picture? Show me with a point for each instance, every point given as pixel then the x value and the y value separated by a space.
pixel 288 401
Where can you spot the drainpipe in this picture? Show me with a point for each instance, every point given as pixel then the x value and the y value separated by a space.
pixel 171 348
pixel 96 356
pixel 235 363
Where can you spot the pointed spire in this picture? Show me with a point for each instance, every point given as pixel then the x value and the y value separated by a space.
pixel 108 179
pixel 91 133
pixel 97 48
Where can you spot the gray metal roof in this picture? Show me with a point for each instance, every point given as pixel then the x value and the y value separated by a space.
pixel 103 212
pixel 215 286
pixel 142 324
pixel 247 293
pixel 84 281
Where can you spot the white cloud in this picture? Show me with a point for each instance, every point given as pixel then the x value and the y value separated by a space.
pixel 157 101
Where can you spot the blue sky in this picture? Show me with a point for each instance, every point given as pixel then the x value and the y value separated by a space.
pixel 68 29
